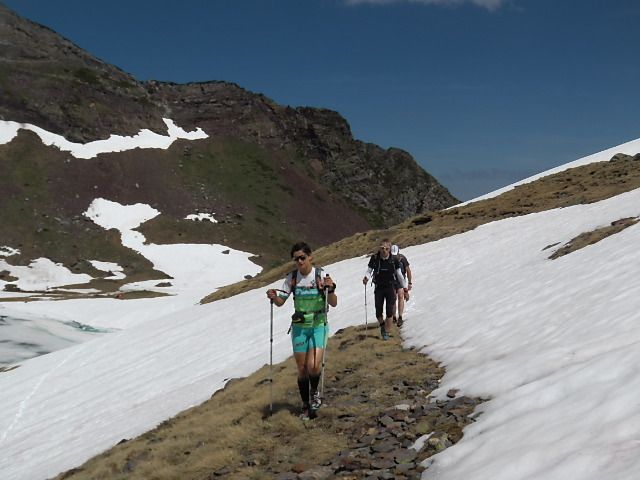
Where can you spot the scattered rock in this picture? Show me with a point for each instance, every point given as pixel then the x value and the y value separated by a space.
pixel 452 393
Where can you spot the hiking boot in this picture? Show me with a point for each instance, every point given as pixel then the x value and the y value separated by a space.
pixel 316 401
pixel 400 321
pixel 385 336
pixel 383 332
pixel 395 320
pixel 305 411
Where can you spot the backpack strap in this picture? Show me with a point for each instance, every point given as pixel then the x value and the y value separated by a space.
pixel 319 280
pixel 376 271
pixel 294 280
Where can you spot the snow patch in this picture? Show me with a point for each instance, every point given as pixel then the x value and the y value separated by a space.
pixel 115 143
pixel 195 269
pixel 43 274
pixel 201 216
pixel 8 251
pixel 111 267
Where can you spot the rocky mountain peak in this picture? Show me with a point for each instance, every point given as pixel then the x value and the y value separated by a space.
pixel 274 174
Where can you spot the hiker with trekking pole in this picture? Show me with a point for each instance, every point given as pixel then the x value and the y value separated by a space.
pixel 313 292
pixel 385 272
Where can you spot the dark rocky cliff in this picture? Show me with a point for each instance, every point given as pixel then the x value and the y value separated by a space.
pixel 386 186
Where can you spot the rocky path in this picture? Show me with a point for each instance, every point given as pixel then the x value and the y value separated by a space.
pixel 378 422
pixel 391 428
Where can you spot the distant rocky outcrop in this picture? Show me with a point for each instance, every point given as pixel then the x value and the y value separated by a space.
pixel 387 186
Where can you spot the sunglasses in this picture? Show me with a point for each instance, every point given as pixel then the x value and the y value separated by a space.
pixel 384 248
pixel 300 258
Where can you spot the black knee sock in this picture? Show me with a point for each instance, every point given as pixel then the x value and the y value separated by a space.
pixel 314 380
pixel 303 386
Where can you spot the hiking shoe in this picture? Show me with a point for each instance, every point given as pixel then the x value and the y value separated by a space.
pixel 395 320
pixel 385 336
pixel 400 321
pixel 305 411
pixel 383 332
pixel 316 401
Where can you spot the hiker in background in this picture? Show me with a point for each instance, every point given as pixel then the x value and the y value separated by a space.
pixel 309 329
pixel 402 293
pixel 386 274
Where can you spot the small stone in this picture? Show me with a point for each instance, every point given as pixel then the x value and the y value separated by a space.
pixel 287 476
pixel 299 467
pixel 452 393
pixel 316 473
pixel 383 463
pixel 404 456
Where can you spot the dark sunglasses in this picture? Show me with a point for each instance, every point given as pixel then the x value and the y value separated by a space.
pixel 300 258
pixel 384 248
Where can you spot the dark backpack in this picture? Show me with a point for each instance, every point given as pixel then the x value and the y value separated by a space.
pixel 401 264
pixel 383 276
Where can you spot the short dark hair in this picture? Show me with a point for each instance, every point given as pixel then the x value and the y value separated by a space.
pixel 301 246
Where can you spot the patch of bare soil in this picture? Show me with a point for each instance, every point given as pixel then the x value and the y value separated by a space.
pixel 376 407
pixel 8 369
pixel 594 236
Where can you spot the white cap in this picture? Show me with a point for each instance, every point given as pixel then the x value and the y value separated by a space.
pixel 394 249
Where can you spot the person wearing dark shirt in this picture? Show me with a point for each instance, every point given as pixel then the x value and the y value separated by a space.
pixel 385 273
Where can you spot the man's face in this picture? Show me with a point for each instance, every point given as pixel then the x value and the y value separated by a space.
pixel 301 260
pixel 385 249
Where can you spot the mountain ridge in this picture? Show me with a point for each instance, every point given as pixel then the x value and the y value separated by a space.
pixel 274 174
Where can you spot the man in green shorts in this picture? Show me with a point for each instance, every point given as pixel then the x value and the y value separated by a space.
pixel 309 328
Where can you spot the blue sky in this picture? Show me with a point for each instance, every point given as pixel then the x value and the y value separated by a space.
pixel 481 92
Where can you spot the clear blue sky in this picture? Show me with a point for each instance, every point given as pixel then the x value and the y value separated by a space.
pixel 481 92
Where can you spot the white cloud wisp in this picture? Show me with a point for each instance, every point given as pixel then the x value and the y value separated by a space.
pixel 490 5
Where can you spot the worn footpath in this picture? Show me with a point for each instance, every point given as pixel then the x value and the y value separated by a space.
pixel 377 422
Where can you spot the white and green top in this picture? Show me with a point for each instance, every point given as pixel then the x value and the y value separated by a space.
pixel 308 298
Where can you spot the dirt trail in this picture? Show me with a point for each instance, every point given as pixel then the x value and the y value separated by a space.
pixel 376 407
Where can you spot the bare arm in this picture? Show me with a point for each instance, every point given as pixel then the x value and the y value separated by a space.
pixel 332 299
pixel 330 286
pixel 278 301
pixel 401 280
pixel 367 275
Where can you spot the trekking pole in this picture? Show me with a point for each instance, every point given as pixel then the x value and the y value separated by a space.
pixel 271 364
pixel 326 339
pixel 366 316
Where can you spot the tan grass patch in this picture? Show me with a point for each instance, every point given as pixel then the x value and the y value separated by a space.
pixel 594 236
